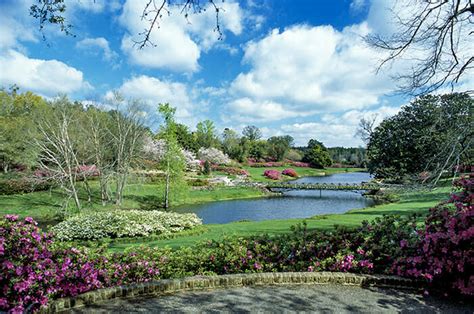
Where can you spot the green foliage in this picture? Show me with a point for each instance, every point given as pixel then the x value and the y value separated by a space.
pixel 433 133
pixel 317 155
pixel 353 156
pixel 18 130
pixel 278 146
pixel 252 133
pixel 207 168
pixel 123 223
pixel 206 134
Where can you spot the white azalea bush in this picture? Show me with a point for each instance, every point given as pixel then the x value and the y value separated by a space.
pixel 123 223
pixel 214 156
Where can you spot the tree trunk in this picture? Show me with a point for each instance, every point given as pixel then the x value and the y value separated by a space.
pixel 167 188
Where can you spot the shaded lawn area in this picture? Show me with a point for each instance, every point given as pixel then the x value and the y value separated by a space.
pixel 410 202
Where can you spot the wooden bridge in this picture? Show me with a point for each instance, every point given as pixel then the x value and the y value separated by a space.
pixel 322 186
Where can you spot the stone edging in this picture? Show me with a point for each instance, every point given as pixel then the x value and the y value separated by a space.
pixel 167 286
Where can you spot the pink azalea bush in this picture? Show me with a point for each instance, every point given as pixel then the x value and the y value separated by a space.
pixel 290 172
pixel 34 269
pixel 272 174
pixel 444 252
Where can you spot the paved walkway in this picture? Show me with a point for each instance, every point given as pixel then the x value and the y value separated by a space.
pixel 314 298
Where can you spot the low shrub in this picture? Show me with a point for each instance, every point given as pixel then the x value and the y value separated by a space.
pixel 290 172
pixel 24 185
pixel 231 170
pixel 122 223
pixel 272 174
pixel 300 164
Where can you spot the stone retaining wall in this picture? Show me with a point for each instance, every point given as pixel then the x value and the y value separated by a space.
pixel 167 286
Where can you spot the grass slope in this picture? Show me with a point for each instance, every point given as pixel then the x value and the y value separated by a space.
pixel 45 205
pixel 410 202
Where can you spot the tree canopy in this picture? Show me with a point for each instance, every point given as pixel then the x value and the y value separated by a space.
pixel 432 134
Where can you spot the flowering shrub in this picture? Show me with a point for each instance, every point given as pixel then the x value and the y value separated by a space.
pixel 87 170
pixel 272 174
pixel 123 223
pixel 443 253
pixel 231 170
pixel 290 172
pixel 214 156
pixel 301 164
pixel 33 269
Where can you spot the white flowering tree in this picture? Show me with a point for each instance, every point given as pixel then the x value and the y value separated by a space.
pixel 213 155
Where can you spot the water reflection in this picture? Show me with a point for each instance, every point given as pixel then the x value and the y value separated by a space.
pixel 293 204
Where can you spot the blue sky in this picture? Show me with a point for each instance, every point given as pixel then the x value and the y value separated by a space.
pixel 295 67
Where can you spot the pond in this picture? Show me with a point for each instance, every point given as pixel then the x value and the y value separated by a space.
pixel 292 204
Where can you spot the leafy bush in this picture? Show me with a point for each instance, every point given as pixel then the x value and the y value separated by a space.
pixel 24 185
pixel 272 174
pixel 123 223
pixel 290 172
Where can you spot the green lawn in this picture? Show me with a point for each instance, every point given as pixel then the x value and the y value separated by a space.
pixel 410 202
pixel 45 205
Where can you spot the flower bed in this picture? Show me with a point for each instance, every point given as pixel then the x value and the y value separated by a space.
pixel 290 172
pixel 272 174
pixel 34 268
pixel 231 170
pixel 123 223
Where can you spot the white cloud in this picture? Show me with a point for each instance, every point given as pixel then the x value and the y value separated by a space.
pixel 99 43
pixel 336 130
pixel 245 109
pixel 16 25
pixel 358 5
pixel 311 69
pixel 153 91
pixel 179 41
pixel 47 77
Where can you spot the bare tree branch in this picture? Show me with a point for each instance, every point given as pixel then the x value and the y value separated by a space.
pixel 441 31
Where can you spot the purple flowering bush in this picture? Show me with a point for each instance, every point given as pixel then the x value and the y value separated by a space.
pixel 272 174
pixel 34 269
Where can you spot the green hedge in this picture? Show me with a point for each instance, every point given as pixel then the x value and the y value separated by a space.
pixel 23 185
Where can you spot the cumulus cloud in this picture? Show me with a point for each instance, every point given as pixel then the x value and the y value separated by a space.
pixel 96 45
pixel 46 77
pixel 153 91
pixel 179 41
pixel 336 130
pixel 310 69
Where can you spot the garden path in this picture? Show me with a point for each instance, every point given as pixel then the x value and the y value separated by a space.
pixel 314 298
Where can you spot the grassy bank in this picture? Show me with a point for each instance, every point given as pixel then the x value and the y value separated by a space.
pixel 410 202
pixel 45 205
